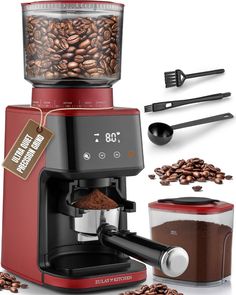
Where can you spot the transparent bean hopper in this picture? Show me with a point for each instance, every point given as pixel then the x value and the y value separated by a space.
pixel 69 43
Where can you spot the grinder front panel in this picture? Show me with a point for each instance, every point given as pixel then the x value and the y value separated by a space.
pixel 106 145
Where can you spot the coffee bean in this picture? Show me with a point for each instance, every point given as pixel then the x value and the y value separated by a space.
pixel 205 174
pixel 77 70
pixel 14 290
pixel 90 63
pixel 55 57
pixel 165 182
pixel 218 181
pixel 151 176
pixel 64 44
pixel 7 276
pixel 189 178
pixel 196 174
pixel 24 286
pixel 79 58
pixel 220 175
pixel 201 179
pixel 73 39
pixel 16 285
pixel 84 44
pixel 197 188
pixel 172 178
pixel 80 51
pixel 183 181
pixel 92 51
pixel 92 70
pixel 46 64
pixel 51 35
pixel 37 35
pixel 168 173
pixel 228 177
pixel 107 35
pixel 68 55
pixel 72 65
pixel 72 74
pixel 63 65
pixel 113 63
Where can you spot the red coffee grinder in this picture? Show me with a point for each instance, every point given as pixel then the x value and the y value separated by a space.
pixel 73 56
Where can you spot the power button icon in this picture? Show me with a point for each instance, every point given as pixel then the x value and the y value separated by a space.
pixel 116 154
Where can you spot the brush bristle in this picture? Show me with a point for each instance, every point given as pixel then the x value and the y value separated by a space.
pixel 170 79
pixel 148 108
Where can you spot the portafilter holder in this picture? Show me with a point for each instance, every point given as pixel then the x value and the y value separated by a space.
pixel 93 219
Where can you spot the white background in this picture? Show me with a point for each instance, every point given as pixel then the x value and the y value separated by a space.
pixel 158 36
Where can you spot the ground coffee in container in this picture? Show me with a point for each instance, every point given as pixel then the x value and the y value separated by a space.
pixel 95 200
pixel 204 228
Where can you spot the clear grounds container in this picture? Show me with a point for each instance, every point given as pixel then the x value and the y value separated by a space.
pixel 203 227
pixel 73 43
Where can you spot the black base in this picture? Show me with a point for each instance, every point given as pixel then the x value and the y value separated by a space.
pixel 134 267
pixel 82 260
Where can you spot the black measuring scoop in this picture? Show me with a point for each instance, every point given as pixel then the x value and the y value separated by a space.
pixel 161 133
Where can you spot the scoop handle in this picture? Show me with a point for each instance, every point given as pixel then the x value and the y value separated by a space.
pixel 203 121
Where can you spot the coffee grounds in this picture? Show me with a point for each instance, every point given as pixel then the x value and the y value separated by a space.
pixel 96 200
pixel 209 247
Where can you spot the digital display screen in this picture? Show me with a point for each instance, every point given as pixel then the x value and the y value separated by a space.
pixel 108 137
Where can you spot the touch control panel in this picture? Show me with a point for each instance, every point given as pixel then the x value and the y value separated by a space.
pixel 95 143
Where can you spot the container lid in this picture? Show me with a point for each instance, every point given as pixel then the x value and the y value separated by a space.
pixel 192 205
pixel 72 5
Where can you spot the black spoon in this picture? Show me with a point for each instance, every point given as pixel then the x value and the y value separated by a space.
pixel 161 133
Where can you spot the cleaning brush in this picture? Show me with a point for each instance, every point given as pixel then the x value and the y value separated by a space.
pixel 177 78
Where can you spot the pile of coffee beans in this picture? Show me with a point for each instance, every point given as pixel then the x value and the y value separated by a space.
pixel 189 171
pixel 9 282
pixel 72 48
pixel 154 289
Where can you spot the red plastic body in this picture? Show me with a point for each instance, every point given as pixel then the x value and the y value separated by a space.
pixel 219 207
pixel 51 98
pixel 96 282
pixel 21 206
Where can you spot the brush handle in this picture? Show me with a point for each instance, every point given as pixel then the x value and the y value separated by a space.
pixel 161 106
pixel 201 74
pixel 203 121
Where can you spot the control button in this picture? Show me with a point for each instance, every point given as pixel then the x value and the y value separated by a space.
pixel 102 155
pixel 86 156
pixel 116 155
